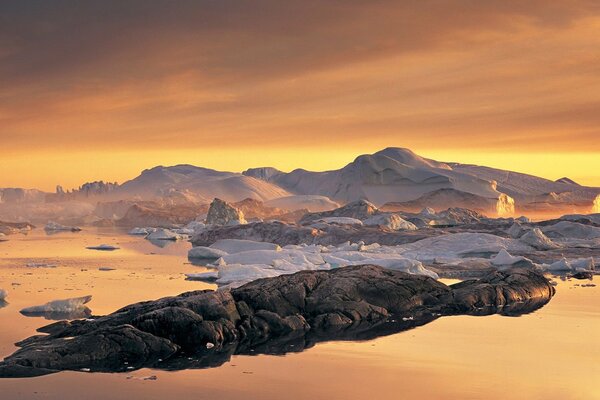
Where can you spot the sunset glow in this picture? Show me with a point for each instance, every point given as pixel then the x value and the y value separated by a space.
pixel 101 93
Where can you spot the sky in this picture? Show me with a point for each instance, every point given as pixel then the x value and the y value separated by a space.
pixel 103 89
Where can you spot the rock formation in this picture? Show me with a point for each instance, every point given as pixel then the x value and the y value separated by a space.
pixel 223 213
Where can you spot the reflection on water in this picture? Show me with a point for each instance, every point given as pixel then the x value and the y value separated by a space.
pixel 550 354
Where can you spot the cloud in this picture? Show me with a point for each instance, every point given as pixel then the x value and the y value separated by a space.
pixel 430 74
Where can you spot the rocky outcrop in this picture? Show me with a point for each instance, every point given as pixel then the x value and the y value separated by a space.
pixel 326 234
pixel 320 304
pixel 223 213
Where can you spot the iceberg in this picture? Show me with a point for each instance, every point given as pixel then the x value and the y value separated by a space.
pixel 200 252
pixel 536 239
pixel 3 295
pixel 209 276
pixel 163 234
pixel 390 221
pixel 232 246
pixel 61 309
pixel 141 231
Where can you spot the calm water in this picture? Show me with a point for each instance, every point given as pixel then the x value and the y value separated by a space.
pixel 553 353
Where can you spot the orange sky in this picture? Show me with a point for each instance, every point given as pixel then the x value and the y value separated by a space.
pixel 102 90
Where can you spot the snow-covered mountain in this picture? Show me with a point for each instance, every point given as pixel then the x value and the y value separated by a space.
pixel 202 183
pixel 390 175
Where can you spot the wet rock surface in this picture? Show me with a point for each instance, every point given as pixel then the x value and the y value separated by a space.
pixel 287 313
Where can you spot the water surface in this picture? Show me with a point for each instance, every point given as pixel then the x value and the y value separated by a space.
pixel 550 354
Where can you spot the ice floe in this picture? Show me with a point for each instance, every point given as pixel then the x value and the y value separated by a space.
pixel 55 226
pixel 231 246
pixel 3 295
pixel 390 221
pixel 536 239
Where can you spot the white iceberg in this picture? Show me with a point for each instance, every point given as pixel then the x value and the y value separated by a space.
pixel 536 239
pixel 504 258
pixel 3 295
pixel 572 230
pixel 163 234
pixel 205 252
pixel 66 306
pixel 340 221
pixel 232 246
pixel 390 221
pixel 141 231
pixel 41 265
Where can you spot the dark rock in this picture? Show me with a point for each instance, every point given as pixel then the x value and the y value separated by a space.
pixel 583 275
pixel 269 314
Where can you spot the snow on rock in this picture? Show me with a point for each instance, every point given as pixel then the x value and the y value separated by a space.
pixel 205 252
pixel 54 226
pixel 223 213
pixel 536 239
pixel 460 245
pixel 232 246
pixel 163 234
pixel 103 247
pixel 60 306
pixel 390 221
pixel 572 230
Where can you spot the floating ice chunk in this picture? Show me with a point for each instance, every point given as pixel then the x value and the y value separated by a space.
pixel 232 246
pixel 572 230
pixel 205 252
pixel 268 257
pixel 3 295
pixel 3 237
pixel 583 264
pixel 239 274
pixel 183 231
pixel 61 309
pixel 464 244
pixel 41 265
pixel 340 221
pixel 209 276
pixel 516 230
pixel 141 231
pixel 163 234
pixel 536 239
pixel 390 221
pixel 559 266
pixel 54 226
pixel 103 247
pixel 504 258
pixel 106 269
